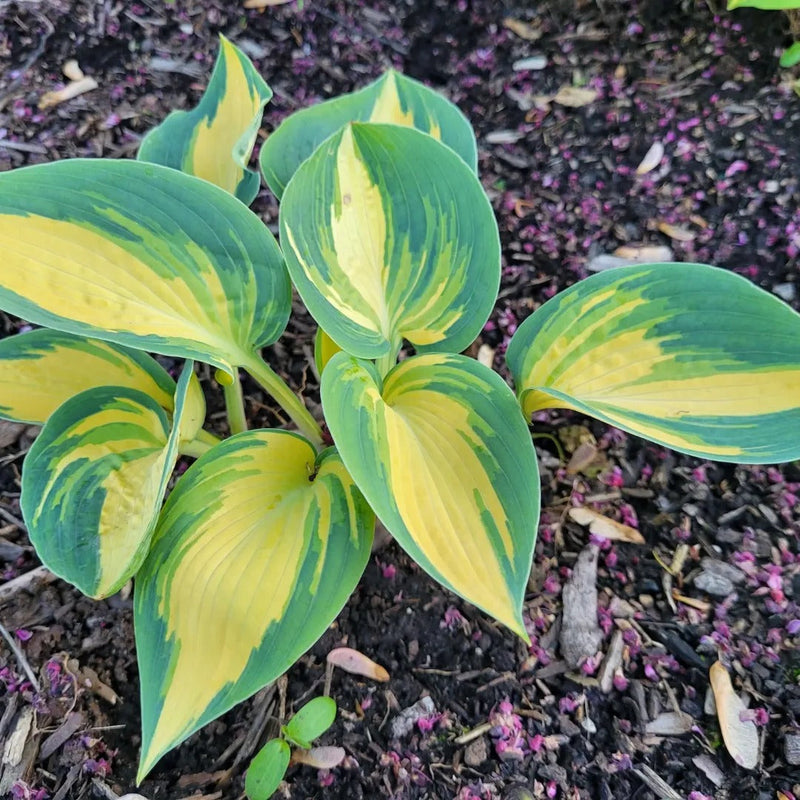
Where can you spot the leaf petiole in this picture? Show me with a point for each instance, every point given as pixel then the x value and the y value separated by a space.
pixel 272 383
pixel 234 400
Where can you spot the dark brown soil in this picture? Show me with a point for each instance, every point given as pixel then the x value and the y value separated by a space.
pixel 564 185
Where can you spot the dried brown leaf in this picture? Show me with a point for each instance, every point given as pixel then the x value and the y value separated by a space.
pixel 740 737
pixel 575 96
pixel 357 663
pixel 604 526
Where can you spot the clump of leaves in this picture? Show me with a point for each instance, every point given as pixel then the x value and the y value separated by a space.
pixel 391 243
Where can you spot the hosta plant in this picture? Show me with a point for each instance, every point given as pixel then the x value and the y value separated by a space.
pixel 392 245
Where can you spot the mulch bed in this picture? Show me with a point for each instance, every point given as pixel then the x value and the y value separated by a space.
pixel 563 180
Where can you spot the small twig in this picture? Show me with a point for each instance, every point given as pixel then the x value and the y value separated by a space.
pixel 20 656
pixel 9 517
pixel 23 147
pixel 9 589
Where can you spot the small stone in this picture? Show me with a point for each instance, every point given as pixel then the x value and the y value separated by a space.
pixel 405 721
pixel 772 187
pixel 476 752
pixel 786 291
pixel 791 748
pixel 532 63
pixel 722 568
pixel 716 585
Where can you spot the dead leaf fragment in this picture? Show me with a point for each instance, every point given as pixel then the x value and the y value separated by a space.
pixel 676 232
pixel 522 29
pixel 574 96
pixel 740 737
pixel 604 526
pixel 583 457
pixel 73 89
pixel 652 159
pixel 320 757
pixel 357 663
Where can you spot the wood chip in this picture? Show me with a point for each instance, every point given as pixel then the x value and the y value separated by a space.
pixel 706 764
pixel 608 528
pixel 676 232
pixel 71 725
pixel 583 457
pixel 574 96
pixel 645 253
pixel 320 757
pixel 670 723
pixel 740 737
pixel 655 782
pixel 652 159
pixel 72 89
pixel 357 663
pixel 72 70
pixel 486 355
pixel 580 633
pixel 10 432
pixel 18 738
pixel 522 29
pixel 611 662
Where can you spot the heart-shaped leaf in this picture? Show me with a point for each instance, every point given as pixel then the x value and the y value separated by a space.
pixel 690 356
pixel 389 235
pixel 141 255
pixel 41 369
pixel 214 141
pixel 257 550
pixel 95 478
pixel 393 99
pixel 445 459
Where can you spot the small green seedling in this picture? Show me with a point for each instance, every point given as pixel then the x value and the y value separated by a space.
pixel 391 242
pixel 267 769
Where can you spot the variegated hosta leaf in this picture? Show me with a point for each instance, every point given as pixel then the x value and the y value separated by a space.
pixel 766 5
pixel 95 477
pixel 214 141
pixel 257 550
pixel 41 369
pixel 388 235
pixel 690 356
pixel 445 459
pixel 324 349
pixel 393 99
pixel 141 255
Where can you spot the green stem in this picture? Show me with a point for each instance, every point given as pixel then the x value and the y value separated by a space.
pixel 561 455
pixel 272 383
pixel 198 446
pixel 207 438
pixel 234 400
pixel 385 363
